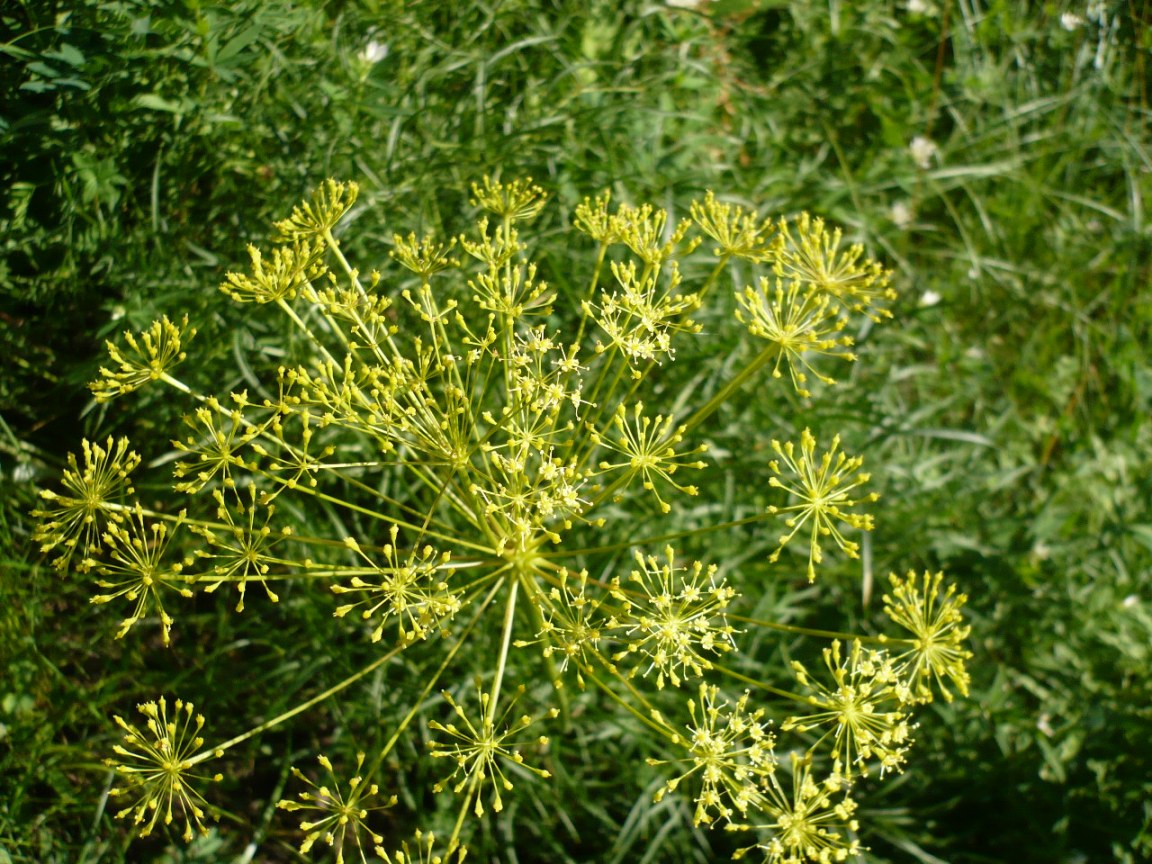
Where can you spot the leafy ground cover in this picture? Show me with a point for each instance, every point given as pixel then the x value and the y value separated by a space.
pixel 995 155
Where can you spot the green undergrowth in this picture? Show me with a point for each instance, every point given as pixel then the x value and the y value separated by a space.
pixel 995 155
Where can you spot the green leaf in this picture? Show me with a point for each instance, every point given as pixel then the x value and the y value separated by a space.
pixel 69 54
pixel 40 68
pixel 156 102
pixel 237 44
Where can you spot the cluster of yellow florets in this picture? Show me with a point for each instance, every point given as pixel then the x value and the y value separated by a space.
pixel 488 477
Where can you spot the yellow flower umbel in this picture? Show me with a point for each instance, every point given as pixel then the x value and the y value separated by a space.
pixel 240 550
pixel 479 749
pixel 314 221
pixel 799 321
pixel 425 257
pixel 517 201
pixel 824 486
pixel 149 356
pixel 643 229
pixel 936 652
pixel 337 815
pixel 156 767
pixel 863 709
pixel 806 825
pixel 737 232
pixel 431 452
pixel 408 588
pixel 93 499
pixel 730 750
pixel 572 626
pixel 814 257
pixel 649 450
pixel 279 278
pixel 137 570
pixel 673 616
pixel 221 436
pixel 592 217
pixel 641 319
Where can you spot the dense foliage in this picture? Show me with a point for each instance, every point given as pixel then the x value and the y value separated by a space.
pixel 994 154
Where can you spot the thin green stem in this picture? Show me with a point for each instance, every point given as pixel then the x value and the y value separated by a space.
pixel 809 631
pixel 760 685
pixel 505 644
pixel 725 393
pixel 433 679
pixel 304 706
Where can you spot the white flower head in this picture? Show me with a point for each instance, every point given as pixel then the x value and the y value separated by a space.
pixel 923 150
pixel 919 7
pixel 901 215
pixel 929 298
pixel 1071 21
pixel 373 52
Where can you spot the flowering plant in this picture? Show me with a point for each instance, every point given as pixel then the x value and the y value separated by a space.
pixel 455 453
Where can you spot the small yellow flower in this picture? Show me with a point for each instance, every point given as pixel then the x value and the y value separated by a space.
pixel 157 766
pixel 334 815
pixel 148 356
pixel 730 750
pixel 511 292
pixel 136 569
pixel 495 249
pixel 736 231
pixel 75 522
pixel 824 487
pixel 312 221
pixel 673 616
pixel 862 709
pixel 936 651
pixel 478 749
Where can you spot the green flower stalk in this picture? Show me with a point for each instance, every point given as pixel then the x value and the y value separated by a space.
pixel 468 462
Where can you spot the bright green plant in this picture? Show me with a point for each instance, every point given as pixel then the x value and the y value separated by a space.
pixel 480 475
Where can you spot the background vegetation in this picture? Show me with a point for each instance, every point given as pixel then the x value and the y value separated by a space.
pixel 1006 417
